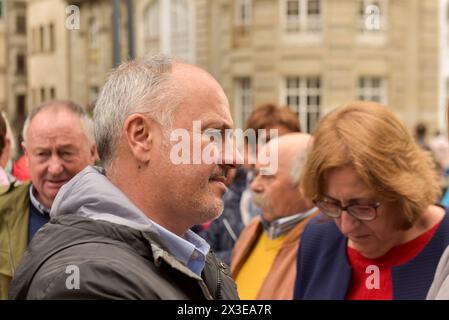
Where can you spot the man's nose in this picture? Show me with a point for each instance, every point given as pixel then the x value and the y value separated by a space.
pixel 231 156
pixel 348 223
pixel 55 167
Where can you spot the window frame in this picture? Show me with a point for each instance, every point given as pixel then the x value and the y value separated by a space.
pixel 303 22
pixel 21 24
pixel 243 98
pixel 308 113
pixel 370 92
pixel 93 33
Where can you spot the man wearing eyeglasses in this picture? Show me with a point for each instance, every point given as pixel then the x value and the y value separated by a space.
pixel 263 261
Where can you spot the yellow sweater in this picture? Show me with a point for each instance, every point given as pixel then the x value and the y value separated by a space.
pixel 256 268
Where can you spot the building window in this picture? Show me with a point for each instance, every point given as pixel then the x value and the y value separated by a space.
pixel 21 107
pixel 167 28
pixel 242 23
pixel 93 33
pixel 180 29
pixel 1 9
pixel 52 93
pixel 243 99
pixel 34 40
pixel 42 95
pixel 373 89
pixel 34 101
pixel 41 39
pixel 20 64
pixel 302 16
pixel 151 27
pixel 372 16
pixel 51 31
pixel 303 95
pixel 21 24
pixel 242 16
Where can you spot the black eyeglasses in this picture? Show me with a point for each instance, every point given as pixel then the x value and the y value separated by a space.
pixel 334 210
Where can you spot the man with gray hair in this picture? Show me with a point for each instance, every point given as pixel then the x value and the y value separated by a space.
pixel 263 262
pixel 58 143
pixel 123 232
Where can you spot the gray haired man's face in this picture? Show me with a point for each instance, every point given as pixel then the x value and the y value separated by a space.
pixel 57 149
pixel 196 188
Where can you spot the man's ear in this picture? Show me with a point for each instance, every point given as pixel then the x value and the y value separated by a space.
pixel 24 148
pixel 139 131
pixel 93 154
pixel 26 153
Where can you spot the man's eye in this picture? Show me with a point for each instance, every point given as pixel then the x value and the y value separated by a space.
pixel 42 154
pixel 66 154
pixel 213 135
pixel 229 134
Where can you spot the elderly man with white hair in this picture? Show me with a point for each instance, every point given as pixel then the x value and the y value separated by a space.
pixel 264 258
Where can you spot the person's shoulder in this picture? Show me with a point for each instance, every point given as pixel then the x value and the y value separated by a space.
pixel 321 226
pixel 321 236
pixel 93 270
pixel 14 198
pixel 14 189
pixel 443 223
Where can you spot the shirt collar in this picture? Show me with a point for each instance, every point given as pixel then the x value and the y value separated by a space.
pixel 283 225
pixel 190 250
pixel 40 207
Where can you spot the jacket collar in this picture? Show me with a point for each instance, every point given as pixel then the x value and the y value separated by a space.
pixel 283 225
pixel 39 206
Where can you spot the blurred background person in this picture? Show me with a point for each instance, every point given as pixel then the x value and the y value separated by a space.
pixel 5 149
pixel 384 235
pixel 440 285
pixel 421 136
pixel 440 148
pixel 267 116
pixel 20 169
pixel 58 143
pixel 264 258
pixel 239 209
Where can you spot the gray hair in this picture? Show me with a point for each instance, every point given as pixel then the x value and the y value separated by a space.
pixel 136 86
pixel 297 166
pixel 68 105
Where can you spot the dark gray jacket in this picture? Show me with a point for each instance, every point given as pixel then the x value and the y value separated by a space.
pixel 108 254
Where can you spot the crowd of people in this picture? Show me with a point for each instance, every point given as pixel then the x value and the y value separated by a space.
pixel 354 211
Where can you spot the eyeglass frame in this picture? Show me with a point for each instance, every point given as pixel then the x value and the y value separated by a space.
pixel 374 206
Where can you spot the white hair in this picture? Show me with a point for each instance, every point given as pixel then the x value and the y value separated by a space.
pixel 136 86
pixel 297 166
pixel 68 105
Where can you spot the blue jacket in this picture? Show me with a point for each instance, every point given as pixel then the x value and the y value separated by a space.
pixel 323 270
